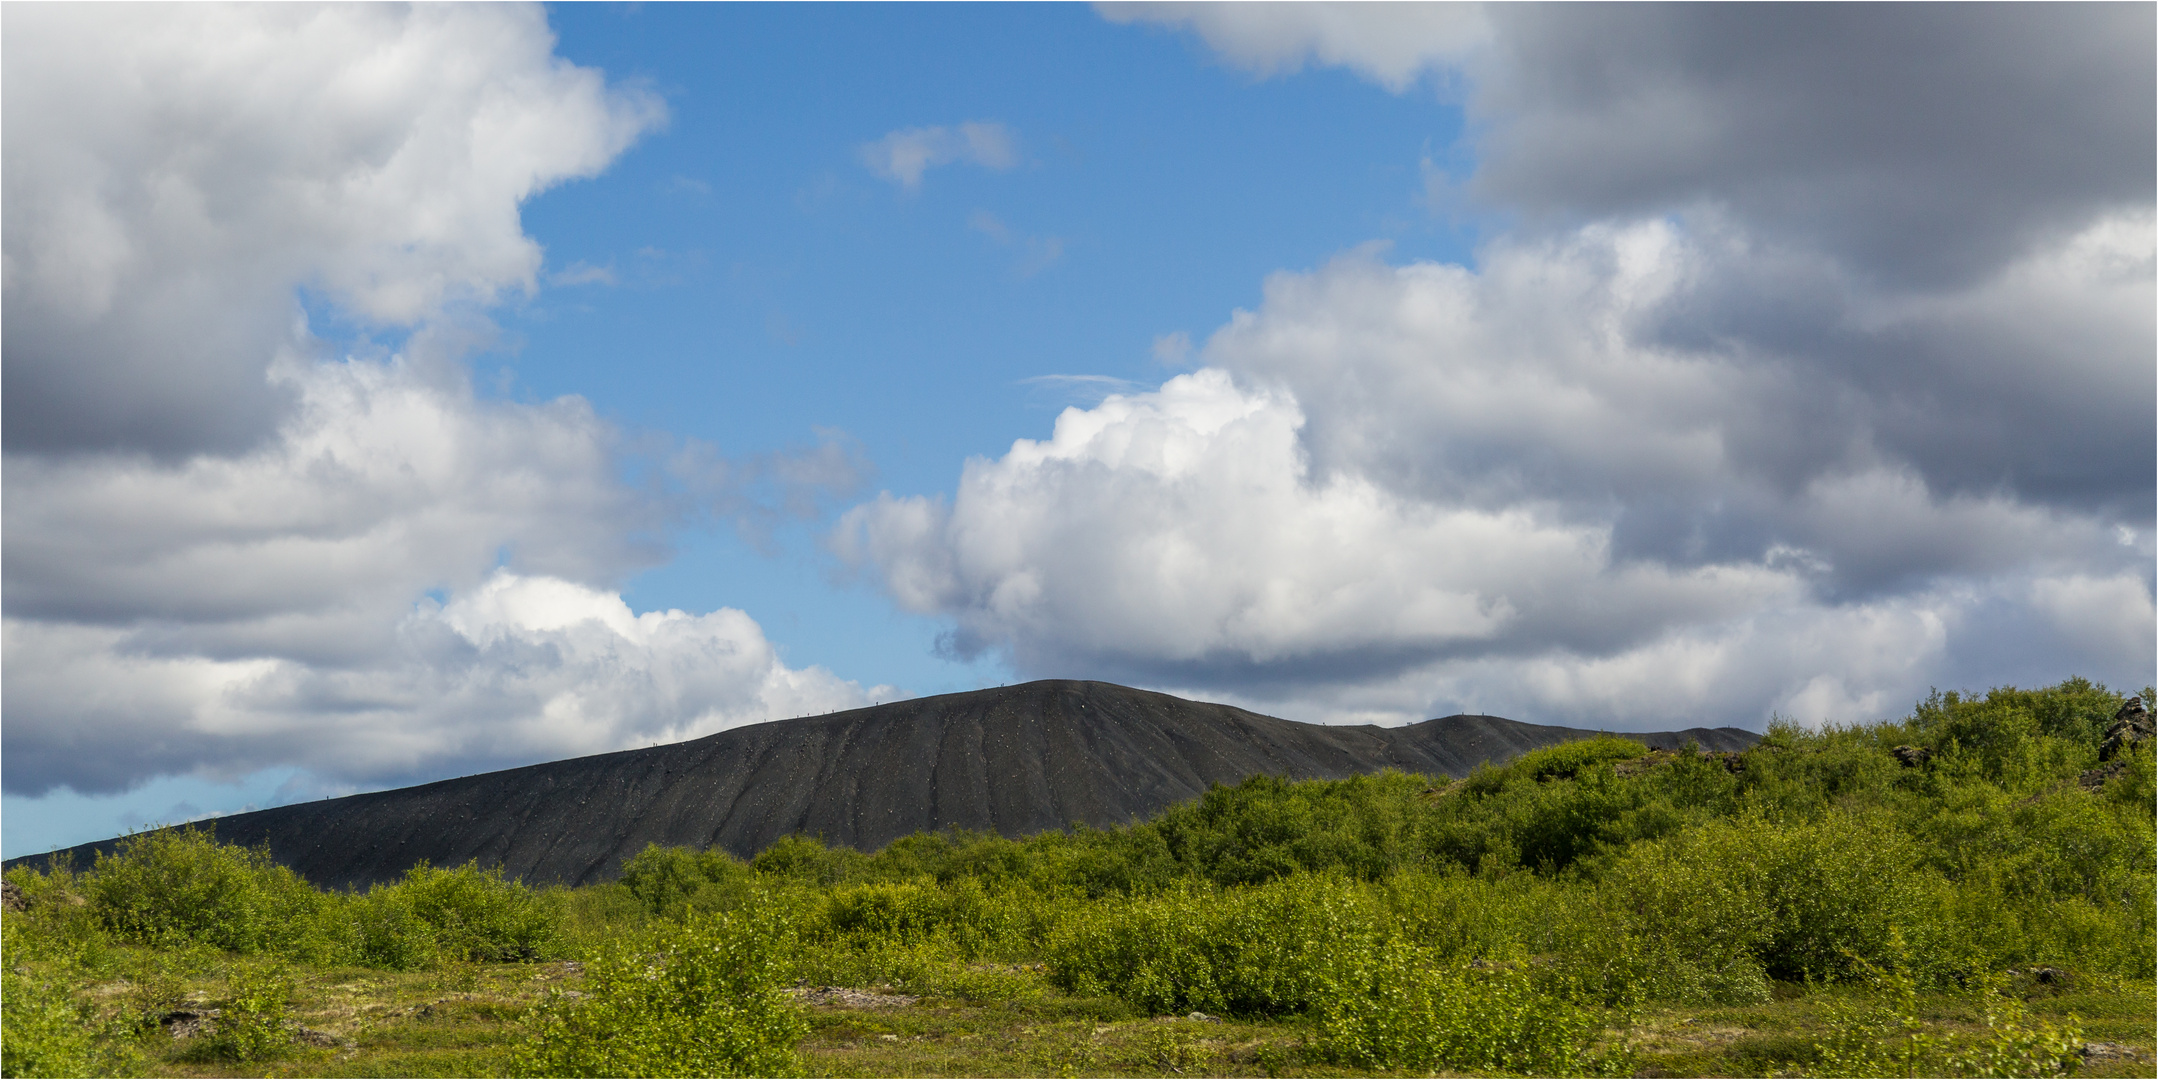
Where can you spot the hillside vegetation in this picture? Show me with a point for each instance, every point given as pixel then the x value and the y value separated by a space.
pixel 1966 891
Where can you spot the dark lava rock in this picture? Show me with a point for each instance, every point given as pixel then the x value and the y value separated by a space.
pixel 2100 1051
pixel 2093 779
pixel 1013 760
pixel 188 1023
pixel 1731 760
pixel 1912 756
pixel 2131 725
pixel 2030 978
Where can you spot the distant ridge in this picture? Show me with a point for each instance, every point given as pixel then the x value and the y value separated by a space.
pixel 1013 760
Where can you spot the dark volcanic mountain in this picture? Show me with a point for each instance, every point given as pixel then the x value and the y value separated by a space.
pixel 1015 760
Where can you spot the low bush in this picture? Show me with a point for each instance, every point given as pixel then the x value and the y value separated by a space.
pixel 1570 759
pixel 1737 899
pixel 1268 827
pixel 383 931
pixel 801 859
pixel 475 914
pixel 671 880
pixel 155 982
pixel 1567 805
pixel 1397 1008
pixel 699 998
pixel 964 915
pixel 1457 915
pixel 1262 950
pixel 179 886
pixel 43 1030
pixel 254 1023
pixel 1887 1037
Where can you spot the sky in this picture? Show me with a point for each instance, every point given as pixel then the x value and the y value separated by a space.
pixel 399 393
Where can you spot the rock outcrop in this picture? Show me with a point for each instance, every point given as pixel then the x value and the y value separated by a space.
pixel 2131 725
pixel 1912 756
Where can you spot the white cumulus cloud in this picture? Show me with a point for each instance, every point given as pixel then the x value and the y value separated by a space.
pixel 513 669
pixel 174 172
pixel 226 551
pixel 1532 487
pixel 232 613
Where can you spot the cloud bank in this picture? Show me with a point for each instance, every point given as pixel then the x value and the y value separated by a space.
pixel 225 550
pixel 1763 409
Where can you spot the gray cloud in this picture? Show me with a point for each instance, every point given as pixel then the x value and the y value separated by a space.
pixel 1394 45
pixel 1916 142
pixel 1626 371
pixel 1815 371
pixel 173 173
pixel 225 550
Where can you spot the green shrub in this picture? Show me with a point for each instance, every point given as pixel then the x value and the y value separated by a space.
pixel 1714 910
pixel 1261 950
pixel 1838 888
pixel 385 931
pixel 931 968
pixel 2015 1045
pixel 1094 863
pixel 1890 1039
pixel 434 916
pixel 43 1030
pixel 1570 759
pixel 155 982
pixel 180 886
pixel 1564 805
pixel 1396 1008
pixel 671 880
pixel 963 913
pixel 1455 915
pixel 477 915
pixel 176 887
pixel 587 916
pixel 697 999
pixel 1268 827
pixel 802 859
pixel 2018 738
pixel 254 1023
pixel 2133 791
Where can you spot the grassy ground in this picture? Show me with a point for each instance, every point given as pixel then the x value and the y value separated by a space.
pixel 1489 922
pixel 463 1021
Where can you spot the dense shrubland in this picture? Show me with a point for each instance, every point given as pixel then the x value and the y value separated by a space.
pixel 1515 920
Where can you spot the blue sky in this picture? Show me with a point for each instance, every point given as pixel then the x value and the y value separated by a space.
pixel 770 285
pixel 395 393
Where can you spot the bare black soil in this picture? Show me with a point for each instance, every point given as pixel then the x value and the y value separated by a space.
pixel 1012 760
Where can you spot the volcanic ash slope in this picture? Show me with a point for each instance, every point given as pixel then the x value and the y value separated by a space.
pixel 1013 760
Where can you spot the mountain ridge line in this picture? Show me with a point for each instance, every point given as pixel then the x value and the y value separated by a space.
pixel 1014 760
